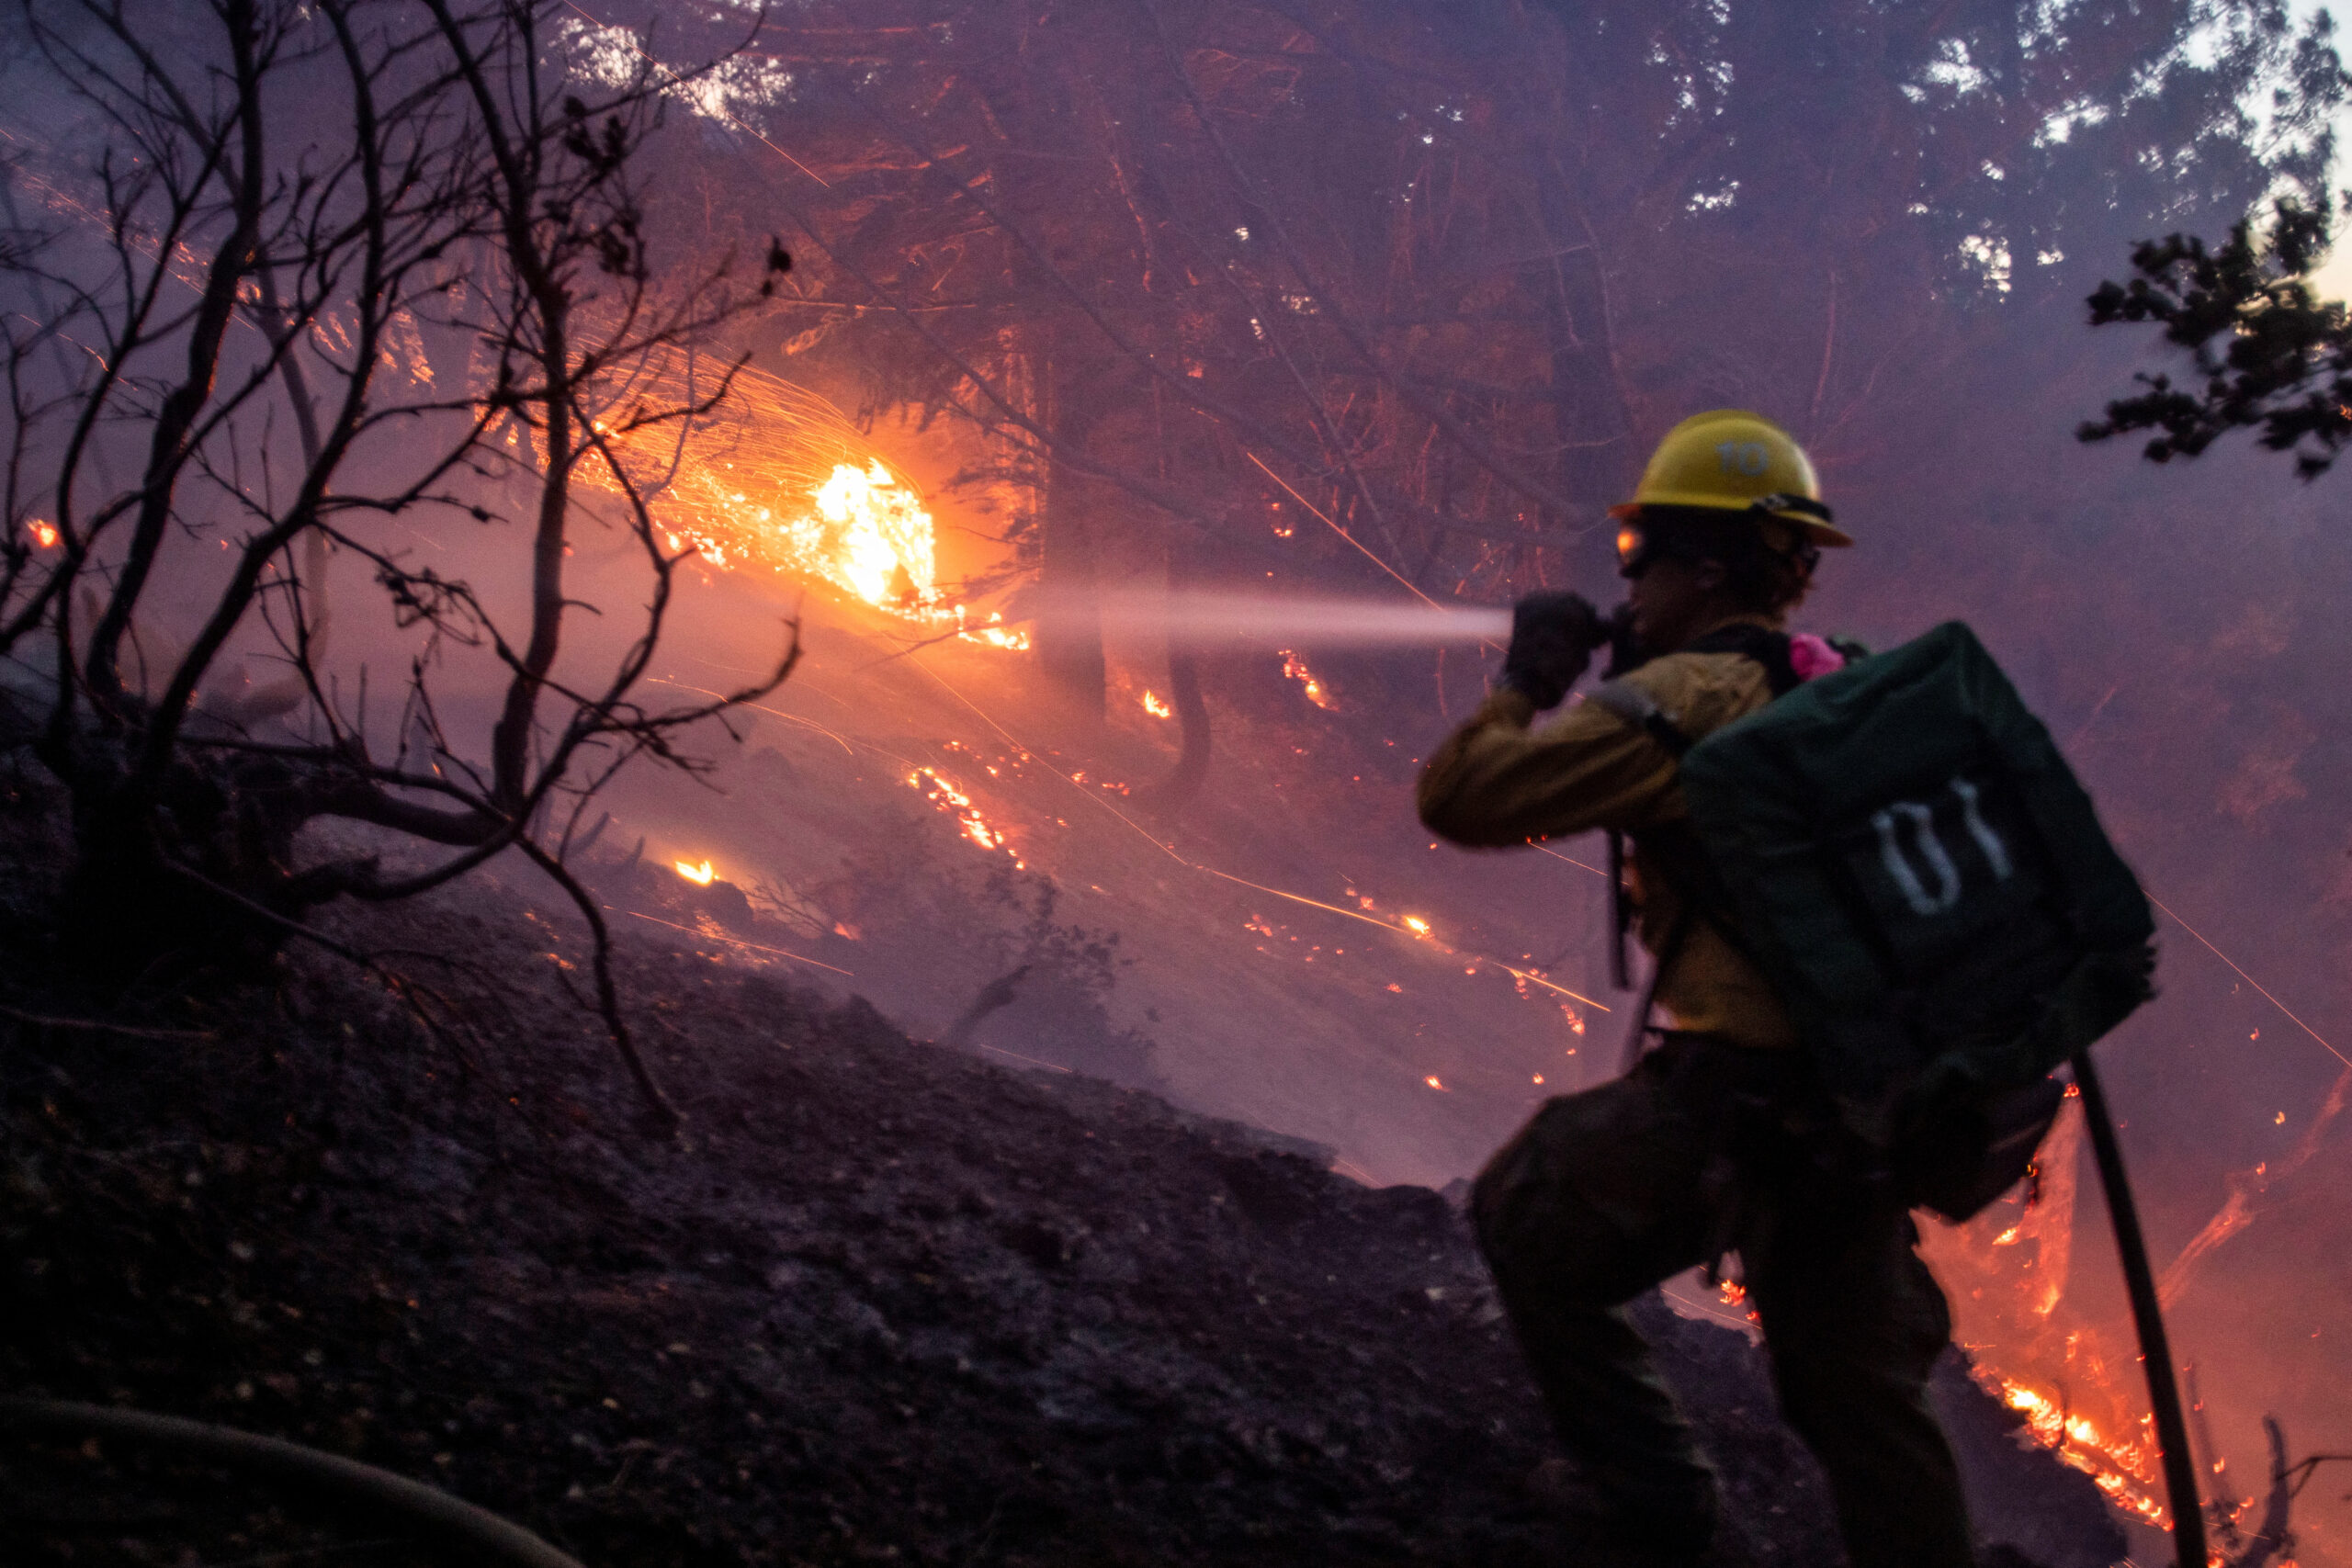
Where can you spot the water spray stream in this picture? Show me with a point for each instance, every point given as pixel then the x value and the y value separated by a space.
pixel 1210 621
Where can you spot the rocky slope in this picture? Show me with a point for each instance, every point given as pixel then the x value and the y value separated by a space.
pixel 880 1301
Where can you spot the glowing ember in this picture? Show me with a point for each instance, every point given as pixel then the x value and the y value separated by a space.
pixel 1295 668
pixel 700 875
pixel 968 820
pixel 44 533
pixel 993 633
pixel 1432 1081
pixel 1417 925
pixel 1154 706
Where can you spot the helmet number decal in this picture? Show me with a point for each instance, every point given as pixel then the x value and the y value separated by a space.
pixel 1932 854
pixel 1747 458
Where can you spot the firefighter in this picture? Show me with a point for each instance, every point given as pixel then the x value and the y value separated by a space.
pixel 1715 1141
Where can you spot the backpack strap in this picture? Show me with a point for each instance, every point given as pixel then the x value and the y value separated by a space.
pixel 1765 645
pixel 1768 649
pixel 1640 710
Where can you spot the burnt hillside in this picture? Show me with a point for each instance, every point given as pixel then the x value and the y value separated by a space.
pixel 880 1301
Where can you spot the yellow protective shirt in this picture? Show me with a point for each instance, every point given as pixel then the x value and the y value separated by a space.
pixel 1495 782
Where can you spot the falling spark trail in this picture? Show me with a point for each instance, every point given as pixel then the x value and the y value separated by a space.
pixel 1208 620
pixel 1054 1067
pixel 787 717
pixel 1171 853
pixel 737 942
pixel 2076 738
pixel 1570 859
pixel 2250 980
pixel 1341 532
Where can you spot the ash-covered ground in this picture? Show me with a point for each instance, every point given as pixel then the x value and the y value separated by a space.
pixel 880 1301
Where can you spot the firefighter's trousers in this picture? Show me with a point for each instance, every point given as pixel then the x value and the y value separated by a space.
pixel 1606 1194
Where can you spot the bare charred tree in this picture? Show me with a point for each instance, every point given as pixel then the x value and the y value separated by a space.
pixel 225 266
pixel 2269 1539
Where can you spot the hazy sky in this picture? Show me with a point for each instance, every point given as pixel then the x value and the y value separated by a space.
pixel 2335 279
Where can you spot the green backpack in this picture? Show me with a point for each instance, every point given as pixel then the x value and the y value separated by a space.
pixel 1902 850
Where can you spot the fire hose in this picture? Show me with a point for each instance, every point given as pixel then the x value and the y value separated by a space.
pixel 452 1518
pixel 2147 1316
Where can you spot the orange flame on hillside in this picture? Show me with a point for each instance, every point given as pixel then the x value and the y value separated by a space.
pixel 943 795
pixel 777 477
pixel 2006 1272
pixel 1153 705
pixel 700 875
pixel 2126 1470
pixel 44 533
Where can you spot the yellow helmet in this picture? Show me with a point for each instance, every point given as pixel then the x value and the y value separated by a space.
pixel 1732 460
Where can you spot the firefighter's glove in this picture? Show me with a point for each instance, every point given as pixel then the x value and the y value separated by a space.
pixel 1552 639
pixel 1625 653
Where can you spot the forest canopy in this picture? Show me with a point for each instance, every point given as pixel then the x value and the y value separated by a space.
pixel 1438 274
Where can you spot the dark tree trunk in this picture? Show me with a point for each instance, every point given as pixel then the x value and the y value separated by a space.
pixel 1173 793
pixel 1069 641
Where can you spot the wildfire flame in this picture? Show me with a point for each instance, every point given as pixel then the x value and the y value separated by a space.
pixel 777 477
pixel 870 534
pixel 44 533
pixel 2124 1469
pixel 700 875
pixel 1154 706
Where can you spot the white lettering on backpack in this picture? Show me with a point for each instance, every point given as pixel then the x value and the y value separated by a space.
pixel 1922 818
pixel 1997 854
pixel 1931 849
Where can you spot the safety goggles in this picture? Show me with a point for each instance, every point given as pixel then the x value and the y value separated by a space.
pixel 1637 551
pixel 1643 543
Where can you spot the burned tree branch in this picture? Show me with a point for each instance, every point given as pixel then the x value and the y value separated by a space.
pixel 607 997
pixel 236 280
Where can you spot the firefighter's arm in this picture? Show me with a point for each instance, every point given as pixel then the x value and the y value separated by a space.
pixel 1495 782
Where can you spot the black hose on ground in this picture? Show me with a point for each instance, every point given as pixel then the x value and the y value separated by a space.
pixel 428 1507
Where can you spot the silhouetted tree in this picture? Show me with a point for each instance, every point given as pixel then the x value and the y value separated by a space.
pixel 2269 354
pixel 221 273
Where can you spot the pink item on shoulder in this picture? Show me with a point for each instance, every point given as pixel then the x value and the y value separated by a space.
pixel 1810 656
